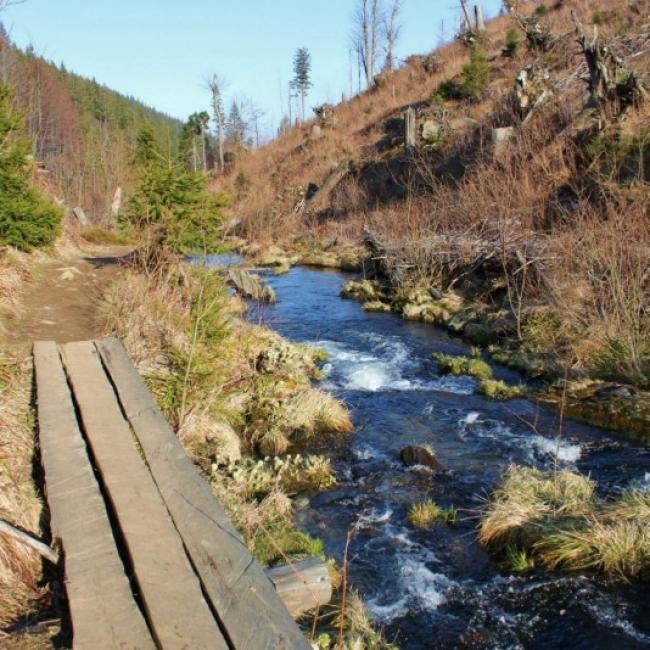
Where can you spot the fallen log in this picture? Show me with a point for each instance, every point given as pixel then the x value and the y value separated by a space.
pixel 302 586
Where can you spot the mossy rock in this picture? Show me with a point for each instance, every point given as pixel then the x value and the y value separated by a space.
pixel 377 306
pixel 363 290
pixel 463 318
pixel 607 405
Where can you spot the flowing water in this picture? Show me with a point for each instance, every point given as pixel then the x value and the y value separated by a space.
pixel 437 588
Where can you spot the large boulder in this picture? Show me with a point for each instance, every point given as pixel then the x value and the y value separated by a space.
pixel 414 455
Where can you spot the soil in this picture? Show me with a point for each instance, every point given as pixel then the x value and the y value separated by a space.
pixel 61 304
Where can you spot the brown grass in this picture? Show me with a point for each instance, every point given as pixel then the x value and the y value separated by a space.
pixel 20 567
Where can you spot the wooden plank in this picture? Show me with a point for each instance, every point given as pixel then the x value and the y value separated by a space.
pixel 103 611
pixel 178 614
pixel 249 608
pixel 302 586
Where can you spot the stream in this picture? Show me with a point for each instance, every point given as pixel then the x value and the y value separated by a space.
pixel 436 588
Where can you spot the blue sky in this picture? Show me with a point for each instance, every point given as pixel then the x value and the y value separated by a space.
pixel 161 51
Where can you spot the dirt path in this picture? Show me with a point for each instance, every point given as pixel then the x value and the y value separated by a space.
pixel 61 304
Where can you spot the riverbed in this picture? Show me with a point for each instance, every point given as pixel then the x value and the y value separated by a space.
pixel 437 588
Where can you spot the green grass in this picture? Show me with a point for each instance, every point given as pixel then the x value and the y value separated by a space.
pixel 499 390
pixel 459 365
pixel 426 513
pixel 281 542
pixel 517 560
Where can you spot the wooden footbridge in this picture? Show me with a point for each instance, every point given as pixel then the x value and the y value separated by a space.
pixel 151 559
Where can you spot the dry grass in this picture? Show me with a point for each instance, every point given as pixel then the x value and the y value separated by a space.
pixel 555 520
pixel 20 505
pixel 20 567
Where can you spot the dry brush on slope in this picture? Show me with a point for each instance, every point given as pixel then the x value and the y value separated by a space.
pixel 531 195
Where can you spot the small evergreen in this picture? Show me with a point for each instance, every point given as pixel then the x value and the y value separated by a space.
pixel 513 41
pixel 476 73
pixel 27 218
pixel 171 206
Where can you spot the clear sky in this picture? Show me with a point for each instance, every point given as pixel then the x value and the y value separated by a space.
pixel 162 51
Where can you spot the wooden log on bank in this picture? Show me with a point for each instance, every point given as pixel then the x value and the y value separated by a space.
pixel 250 286
pixel 302 586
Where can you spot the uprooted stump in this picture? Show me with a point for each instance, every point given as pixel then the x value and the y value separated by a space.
pixel 250 286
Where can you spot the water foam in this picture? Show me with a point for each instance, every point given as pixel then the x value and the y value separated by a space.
pixel 381 369
pixel 532 447
pixel 565 451
pixel 418 587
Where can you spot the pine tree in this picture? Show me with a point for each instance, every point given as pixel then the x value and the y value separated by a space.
pixel 171 207
pixel 27 219
pixel 301 82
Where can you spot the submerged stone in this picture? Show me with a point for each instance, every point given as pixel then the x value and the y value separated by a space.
pixel 414 455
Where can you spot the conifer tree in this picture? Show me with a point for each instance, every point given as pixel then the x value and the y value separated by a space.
pixel 171 207
pixel 301 82
pixel 27 219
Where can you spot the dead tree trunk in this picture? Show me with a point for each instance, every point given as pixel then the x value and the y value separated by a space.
pixel 219 118
pixel 480 24
pixel 409 130
pixel 468 18
pixel 605 72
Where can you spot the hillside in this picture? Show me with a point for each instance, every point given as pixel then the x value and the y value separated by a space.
pixel 524 199
pixel 83 133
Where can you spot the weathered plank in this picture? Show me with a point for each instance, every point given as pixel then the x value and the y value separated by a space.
pixel 103 611
pixel 249 608
pixel 178 614
pixel 302 586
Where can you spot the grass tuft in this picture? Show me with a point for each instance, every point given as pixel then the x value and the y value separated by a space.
pixel 499 390
pixel 460 365
pixel 555 518
pixel 427 513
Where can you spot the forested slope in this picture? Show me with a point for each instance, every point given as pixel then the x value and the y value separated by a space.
pixel 83 134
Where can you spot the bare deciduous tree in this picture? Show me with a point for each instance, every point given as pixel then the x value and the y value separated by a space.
pixel 367 21
pixel 216 88
pixel 253 115
pixel 391 30
pixel 8 3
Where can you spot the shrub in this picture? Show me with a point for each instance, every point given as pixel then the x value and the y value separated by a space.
pixel 513 41
pixel 449 89
pixel 541 10
pixel 27 219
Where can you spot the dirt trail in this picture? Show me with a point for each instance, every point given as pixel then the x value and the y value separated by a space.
pixel 61 304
